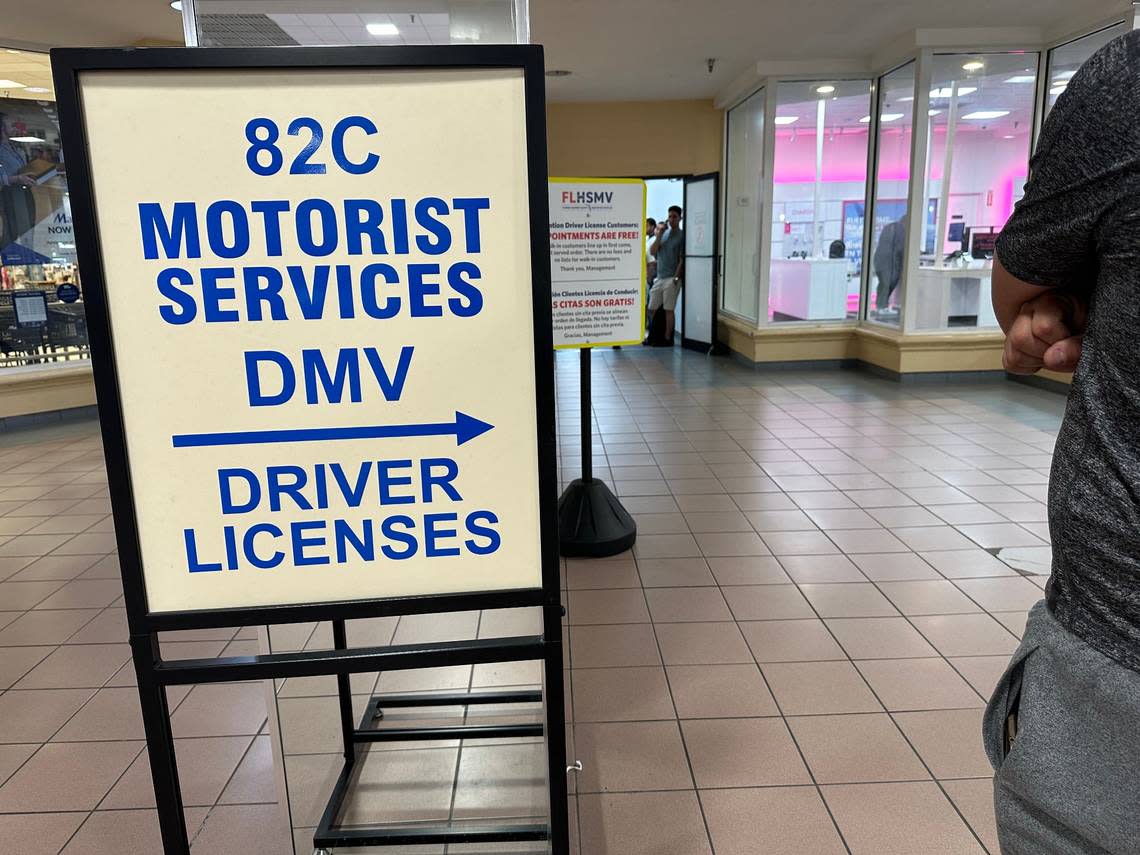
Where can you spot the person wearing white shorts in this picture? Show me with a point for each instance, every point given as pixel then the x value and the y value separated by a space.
pixel 669 250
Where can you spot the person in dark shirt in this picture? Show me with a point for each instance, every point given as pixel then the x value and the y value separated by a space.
pixel 1063 726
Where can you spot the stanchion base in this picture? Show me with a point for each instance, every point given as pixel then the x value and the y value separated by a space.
pixel 592 522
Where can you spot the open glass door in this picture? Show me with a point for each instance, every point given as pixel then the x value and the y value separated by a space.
pixel 696 310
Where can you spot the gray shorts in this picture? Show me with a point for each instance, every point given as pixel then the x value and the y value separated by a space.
pixel 1070 784
pixel 663 294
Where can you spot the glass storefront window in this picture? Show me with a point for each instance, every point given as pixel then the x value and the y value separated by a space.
pixel 818 200
pixel 41 294
pixel 1066 60
pixel 891 194
pixel 745 190
pixel 981 128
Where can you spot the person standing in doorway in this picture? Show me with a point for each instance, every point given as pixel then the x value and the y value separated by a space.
pixel 650 262
pixel 1061 727
pixel 668 248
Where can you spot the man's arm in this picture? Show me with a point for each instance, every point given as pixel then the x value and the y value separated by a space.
pixel 680 268
pixel 1044 327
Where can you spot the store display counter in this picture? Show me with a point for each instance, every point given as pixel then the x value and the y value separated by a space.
pixel 938 295
pixel 808 289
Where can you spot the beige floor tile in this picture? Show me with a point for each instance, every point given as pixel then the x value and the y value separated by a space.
pixel 249 829
pixel 950 741
pixel 894 566
pixel 799 543
pixel 15 662
pixel 38 833
pixel 108 626
pixel 509 623
pixel 791 641
pixel 59 567
pixel 967 635
pixel 879 638
pixel 584 576
pixel 928 598
pixel 716 521
pixel 853 749
pixel 46 627
pixel 254 780
pixel 933 537
pixel 998 535
pixel 613 646
pixel 888 819
pixel 731 544
pixel 12 757
pixel 702 643
pixel 204 767
pixel 674 572
pixel 1013 621
pixel 743 752
pixel 855 542
pixel 501 781
pixel 853 600
pixel 982 672
pixel 643 824
pixel 221 710
pixel 631 756
pixel 621 694
pixel 424 680
pixel 423 629
pixel 967 564
pixel 686 605
pixel 975 799
pixel 748 570
pixel 896 518
pixel 402 786
pixel 770 521
pixel 36 715
pixel 666 546
pixel 918 684
pixel 126 832
pixel 821 568
pixel 767 602
pixel 20 596
pixel 84 594
pixel 77 666
pixel 772 821
pixel 311 778
pixel 720 691
pixel 605 607
pixel 667 523
pixel 1002 595
pixel 819 688
pixel 67 776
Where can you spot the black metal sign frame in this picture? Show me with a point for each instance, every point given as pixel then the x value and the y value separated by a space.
pixel 154 673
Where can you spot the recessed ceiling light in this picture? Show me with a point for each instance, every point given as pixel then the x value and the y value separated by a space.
pixel 907 98
pixel 377 29
pixel 933 112
pixel 25 139
pixel 559 72
pixel 176 5
pixel 1063 75
pixel 11 84
pixel 787 120
pixel 1057 90
pixel 974 65
pixel 947 91
pixel 826 89
pixel 886 117
pixel 36 89
pixel 1009 137
pixel 986 114
pixel 1023 78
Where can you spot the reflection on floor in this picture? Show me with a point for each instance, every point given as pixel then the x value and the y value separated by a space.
pixel 831 571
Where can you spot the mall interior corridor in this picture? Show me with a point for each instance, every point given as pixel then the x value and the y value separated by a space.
pixel 830 574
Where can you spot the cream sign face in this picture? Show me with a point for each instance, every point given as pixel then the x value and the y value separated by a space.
pixel 319 291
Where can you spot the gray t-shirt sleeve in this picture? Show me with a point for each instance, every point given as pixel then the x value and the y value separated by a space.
pixel 1087 146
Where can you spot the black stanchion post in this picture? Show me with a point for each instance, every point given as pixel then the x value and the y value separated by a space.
pixel 556 731
pixel 160 746
pixel 591 521
pixel 587 414
pixel 344 691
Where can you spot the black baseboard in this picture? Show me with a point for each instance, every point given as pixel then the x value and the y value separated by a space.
pixel 54 417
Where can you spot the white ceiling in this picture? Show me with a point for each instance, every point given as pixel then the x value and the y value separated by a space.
pixel 616 49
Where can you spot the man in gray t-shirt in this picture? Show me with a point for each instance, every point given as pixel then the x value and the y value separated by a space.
pixel 1063 727
pixel 669 250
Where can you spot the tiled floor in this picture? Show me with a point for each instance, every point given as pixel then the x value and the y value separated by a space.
pixel 793 659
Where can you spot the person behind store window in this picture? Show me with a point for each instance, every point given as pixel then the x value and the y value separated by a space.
pixel 668 248
pixel 888 262
pixel 1062 728
pixel 12 158
pixel 837 250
